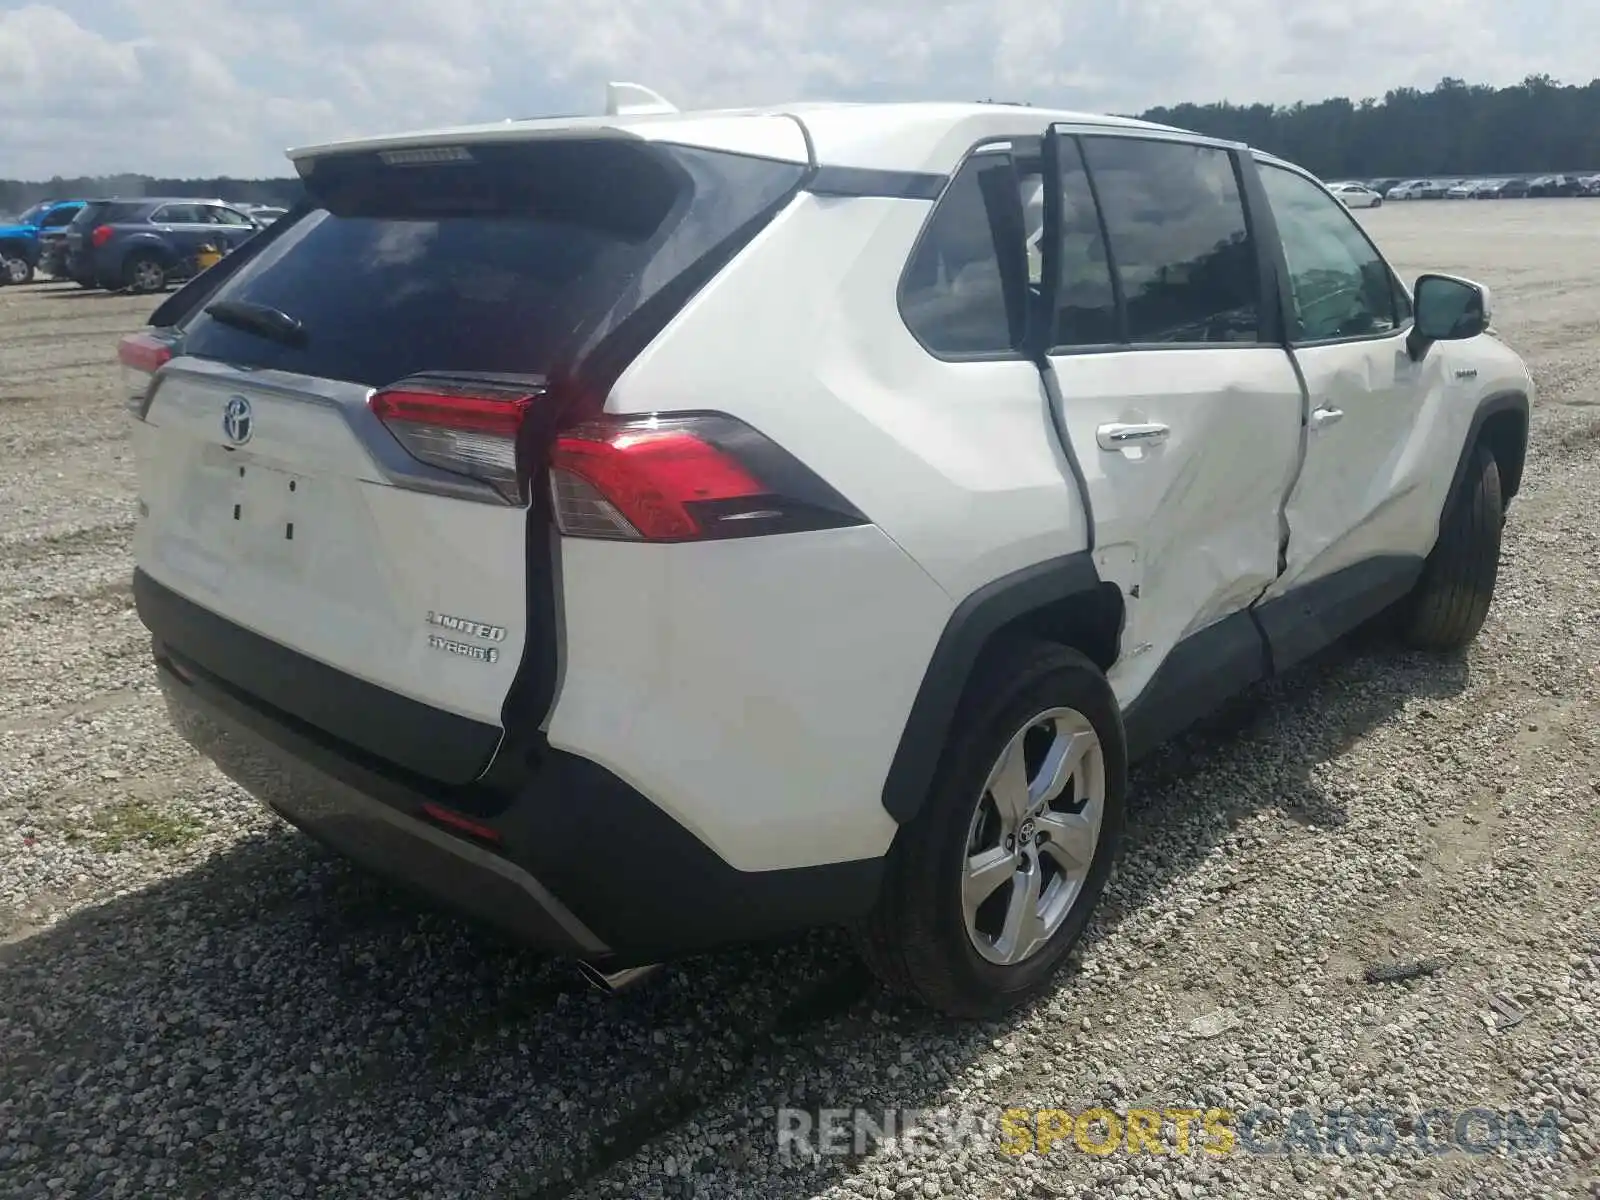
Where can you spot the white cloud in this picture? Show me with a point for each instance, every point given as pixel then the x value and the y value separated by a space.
pixel 202 87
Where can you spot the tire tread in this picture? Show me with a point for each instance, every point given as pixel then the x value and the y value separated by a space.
pixel 1451 600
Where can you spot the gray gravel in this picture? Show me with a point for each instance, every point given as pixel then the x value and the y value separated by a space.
pixel 197 1001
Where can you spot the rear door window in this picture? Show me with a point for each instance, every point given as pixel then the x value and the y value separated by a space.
pixel 1184 257
pixel 179 214
pixel 1086 303
pixel 506 258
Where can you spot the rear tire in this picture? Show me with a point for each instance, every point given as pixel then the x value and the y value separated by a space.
pixel 144 273
pixel 964 957
pixel 1451 600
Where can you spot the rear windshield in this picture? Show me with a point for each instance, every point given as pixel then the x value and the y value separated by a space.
pixel 108 212
pixel 504 258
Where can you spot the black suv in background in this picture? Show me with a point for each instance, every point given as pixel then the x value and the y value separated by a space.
pixel 1502 189
pixel 146 243
pixel 1555 185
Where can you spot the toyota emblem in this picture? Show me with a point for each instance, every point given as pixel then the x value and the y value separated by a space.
pixel 237 423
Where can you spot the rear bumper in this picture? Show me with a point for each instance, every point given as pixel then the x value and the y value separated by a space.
pixel 80 265
pixel 579 862
pixel 288 774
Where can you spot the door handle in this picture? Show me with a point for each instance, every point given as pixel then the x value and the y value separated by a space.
pixel 1116 436
pixel 1323 417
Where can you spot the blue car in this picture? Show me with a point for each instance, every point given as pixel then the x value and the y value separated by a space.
pixel 31 241
pixel 144 244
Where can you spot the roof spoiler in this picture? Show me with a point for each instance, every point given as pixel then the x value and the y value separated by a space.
pixel 634 100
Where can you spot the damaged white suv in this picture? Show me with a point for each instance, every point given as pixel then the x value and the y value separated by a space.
pixel 661 530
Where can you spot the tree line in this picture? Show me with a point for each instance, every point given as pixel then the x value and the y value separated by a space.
pixel 1455 128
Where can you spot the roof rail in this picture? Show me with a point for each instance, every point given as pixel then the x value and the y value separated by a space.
pixel 634 99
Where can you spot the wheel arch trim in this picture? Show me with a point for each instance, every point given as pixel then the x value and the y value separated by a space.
pixel 1491 406
pixel 149 245
pixel 966 634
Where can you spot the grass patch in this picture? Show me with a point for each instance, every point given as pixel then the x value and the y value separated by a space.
pixel 140 822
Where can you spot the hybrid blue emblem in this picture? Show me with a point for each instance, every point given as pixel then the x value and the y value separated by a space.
pixel 237 423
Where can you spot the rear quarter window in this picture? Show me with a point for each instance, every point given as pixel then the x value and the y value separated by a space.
pixel 952 296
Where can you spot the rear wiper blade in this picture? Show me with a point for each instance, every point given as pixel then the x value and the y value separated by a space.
pixel 259 319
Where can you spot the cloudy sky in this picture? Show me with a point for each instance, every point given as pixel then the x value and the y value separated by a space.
pixel 202 87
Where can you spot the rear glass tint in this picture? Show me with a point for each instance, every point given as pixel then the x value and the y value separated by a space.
pixel 109 212
pixel 509 261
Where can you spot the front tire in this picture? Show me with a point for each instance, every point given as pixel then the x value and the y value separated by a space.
pixel 14 269
pixel 989 887
pixel 1451 600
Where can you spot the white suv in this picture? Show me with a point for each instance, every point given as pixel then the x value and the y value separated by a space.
pixel 650 532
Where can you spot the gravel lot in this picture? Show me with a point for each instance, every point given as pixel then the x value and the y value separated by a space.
pixel 197 1001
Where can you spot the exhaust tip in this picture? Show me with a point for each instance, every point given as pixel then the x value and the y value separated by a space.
pixel 613 982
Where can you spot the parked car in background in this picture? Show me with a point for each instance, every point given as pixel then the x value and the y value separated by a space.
pixel 19 252
pixel 145 244
pixel 1382 186
pixel 1410 189
pixel 265 214
pixel 1589 185
pixel 53 226
pixel 1464 190
pixel 1356 195
pixel 1502 189
pixel 31 241
pixel 1554 185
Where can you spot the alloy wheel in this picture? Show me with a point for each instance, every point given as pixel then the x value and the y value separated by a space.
pixel 1033 836
pixel 148 276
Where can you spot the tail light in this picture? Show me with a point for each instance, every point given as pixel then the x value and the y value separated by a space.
pixel 684 477
pixel 467 428
pixel 673 478
pixel 142 355
pixel 100 236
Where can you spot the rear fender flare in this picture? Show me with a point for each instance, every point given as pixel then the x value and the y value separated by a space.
pixel 147 244
pixel 966 634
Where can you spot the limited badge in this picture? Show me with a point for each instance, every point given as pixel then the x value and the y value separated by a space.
pixel 477 629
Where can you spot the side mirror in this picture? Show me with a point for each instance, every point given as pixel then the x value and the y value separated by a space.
pixel 1448 309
